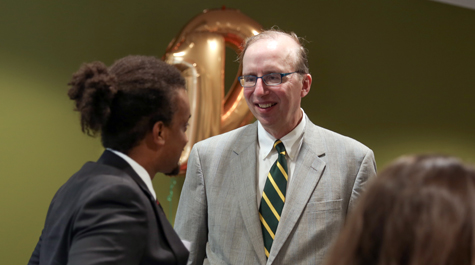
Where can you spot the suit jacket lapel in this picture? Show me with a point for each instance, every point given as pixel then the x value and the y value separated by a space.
pixel 244 170
pixel 308 170
pixel 174 242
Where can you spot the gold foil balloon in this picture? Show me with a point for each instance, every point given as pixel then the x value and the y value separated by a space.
pixel 199 52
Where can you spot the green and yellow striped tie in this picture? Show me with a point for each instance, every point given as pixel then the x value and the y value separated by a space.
pixel 273 197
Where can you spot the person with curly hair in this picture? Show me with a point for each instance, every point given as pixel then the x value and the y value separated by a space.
pixel 107 213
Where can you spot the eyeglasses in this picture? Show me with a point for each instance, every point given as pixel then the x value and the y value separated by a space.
pixel 271 79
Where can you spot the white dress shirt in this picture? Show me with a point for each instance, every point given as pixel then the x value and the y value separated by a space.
pixel 267 155
pixel 143 174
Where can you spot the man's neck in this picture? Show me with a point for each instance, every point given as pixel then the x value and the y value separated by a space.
pixel 142 159
pixel 279 132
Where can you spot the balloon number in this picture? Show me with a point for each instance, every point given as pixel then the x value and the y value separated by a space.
pixel 198 51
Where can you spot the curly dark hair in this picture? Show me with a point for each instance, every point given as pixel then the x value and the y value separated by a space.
pixel 124 101
pixel 419 210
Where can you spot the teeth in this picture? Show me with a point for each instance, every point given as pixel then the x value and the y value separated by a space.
pixel 265 106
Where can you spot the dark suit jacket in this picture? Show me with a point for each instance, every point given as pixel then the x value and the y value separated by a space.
pixel 104 214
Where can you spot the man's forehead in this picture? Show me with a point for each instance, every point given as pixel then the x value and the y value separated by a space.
pixel 280 48
pixel 283 44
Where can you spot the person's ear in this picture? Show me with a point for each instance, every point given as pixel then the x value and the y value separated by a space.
pixel 306 84
pixel 159 133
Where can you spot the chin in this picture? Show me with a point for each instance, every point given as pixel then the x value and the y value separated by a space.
pixel 174 171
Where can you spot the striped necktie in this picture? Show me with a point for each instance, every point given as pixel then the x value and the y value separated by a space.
pixel 273 197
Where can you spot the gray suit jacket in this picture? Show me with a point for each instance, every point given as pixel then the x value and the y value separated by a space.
pixel 218 211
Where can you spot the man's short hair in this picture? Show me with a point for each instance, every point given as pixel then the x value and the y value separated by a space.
pixel 301 59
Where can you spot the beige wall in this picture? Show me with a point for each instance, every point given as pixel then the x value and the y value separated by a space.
pixel 396 75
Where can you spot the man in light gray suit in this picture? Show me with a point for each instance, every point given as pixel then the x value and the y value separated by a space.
pixel 228 186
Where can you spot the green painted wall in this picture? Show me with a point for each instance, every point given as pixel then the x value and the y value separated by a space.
pixel 396 75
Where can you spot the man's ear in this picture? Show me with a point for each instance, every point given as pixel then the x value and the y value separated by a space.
pixel 306 84
pixel 159 133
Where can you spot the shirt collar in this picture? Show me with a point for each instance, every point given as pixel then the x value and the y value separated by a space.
pixel 292 140
pixel 143 174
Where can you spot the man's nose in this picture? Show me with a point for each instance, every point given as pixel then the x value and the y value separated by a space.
pixel 260 88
